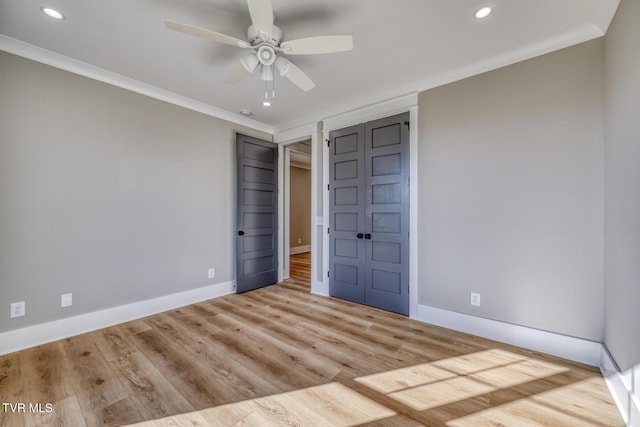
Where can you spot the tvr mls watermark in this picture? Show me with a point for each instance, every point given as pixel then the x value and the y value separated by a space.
pixel 24 407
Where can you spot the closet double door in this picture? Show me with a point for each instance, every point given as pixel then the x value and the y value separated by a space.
pixel 369 213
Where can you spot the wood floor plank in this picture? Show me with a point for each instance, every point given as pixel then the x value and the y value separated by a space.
pixel 196 382
pixel 239 382
pixel 229 415
pixel 45 380
pixel 340 405
pixel 257 316
pixel 257 347
pixel 51 395
pixel 100 393
pixel 67 412
pixel 11 390
pixel 152 394
pixel 283 356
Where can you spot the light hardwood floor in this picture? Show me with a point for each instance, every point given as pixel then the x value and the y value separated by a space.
pixel 282 356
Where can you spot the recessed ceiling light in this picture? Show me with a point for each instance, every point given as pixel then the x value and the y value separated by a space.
pixel 52 13
pixel 246 112
pixel 483 12
pixel 266 103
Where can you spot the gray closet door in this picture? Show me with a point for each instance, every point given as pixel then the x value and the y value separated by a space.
pixel 387 214
pixel 257 222
pixel 346 222
pixel 369 213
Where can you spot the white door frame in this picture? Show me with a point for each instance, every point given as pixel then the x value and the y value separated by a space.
pixel 284 138
pixel 319 133
pixel 287 204
pixel 373 112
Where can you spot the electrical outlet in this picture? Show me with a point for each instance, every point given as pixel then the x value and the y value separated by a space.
pixel 474 299
pixel 212 273
pixel 299 240
pixel 18 309
pixel 66 300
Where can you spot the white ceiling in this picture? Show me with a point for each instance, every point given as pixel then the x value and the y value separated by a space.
pixel 401 47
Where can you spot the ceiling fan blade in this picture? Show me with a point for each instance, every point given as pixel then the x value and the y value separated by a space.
pixel 320 44
pixel 238 75
pixel 206 34
pixel 299 78
pixel 261 12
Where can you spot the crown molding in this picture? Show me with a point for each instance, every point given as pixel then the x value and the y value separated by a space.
pixel 38 54
pixel 603 14
pixel 287 131
pixel 580 34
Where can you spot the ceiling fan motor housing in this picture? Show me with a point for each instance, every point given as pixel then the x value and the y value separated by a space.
pixel 254 37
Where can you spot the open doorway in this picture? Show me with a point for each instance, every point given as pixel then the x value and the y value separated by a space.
pixel 298 228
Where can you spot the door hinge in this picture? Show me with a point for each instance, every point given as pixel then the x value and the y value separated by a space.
pixel 407 124
pixel 328 230
pixel 328 273
pixel 328 142
pixel 328 187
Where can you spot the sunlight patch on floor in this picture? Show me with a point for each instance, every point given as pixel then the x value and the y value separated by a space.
pixel 561 406
pixel 330 405
pixel 427 373
pixel 447 381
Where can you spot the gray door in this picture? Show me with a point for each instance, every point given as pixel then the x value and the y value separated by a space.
pixel 369 213
pixel 257 222
pixel 346 222
pixel 387 213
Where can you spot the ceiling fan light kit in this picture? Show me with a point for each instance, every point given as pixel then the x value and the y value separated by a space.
pixel 282 65
pixel 266 73
pixel 265 41
pixel 250 62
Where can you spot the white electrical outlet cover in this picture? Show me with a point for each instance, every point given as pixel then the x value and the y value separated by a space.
pixel 66 300
pixel 18 309
pixel 474 299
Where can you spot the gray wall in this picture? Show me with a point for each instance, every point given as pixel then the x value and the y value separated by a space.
pixel 622 193
pixel 300 207
pixel 108 194
pixel 511 193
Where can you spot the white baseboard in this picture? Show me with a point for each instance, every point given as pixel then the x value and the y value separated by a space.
pixel 299 249
pixel 622 388
pixel 576 349
pixel 31 336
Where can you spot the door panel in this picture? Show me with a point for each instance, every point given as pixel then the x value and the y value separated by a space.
pixel 387 213
pixel 346 222
pixel 256 240
pixel 386 281
pixel 369 213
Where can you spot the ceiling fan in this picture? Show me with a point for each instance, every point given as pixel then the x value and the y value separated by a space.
pixel 265 41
